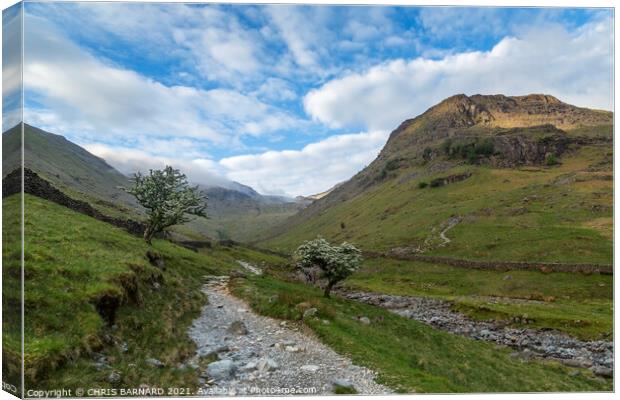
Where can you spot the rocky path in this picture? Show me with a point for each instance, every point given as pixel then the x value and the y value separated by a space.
pixel 452 222
pixel 258 355
pixel 596 355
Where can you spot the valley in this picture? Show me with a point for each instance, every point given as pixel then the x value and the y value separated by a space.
pixel 491 182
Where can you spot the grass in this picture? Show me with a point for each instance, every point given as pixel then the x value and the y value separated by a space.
pixel 543 213
pixel 73 261
pixel 11 292
pixel 581 305
pixel 409 356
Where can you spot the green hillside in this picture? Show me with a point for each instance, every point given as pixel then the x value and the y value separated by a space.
pixel 534 193
pixel 69 167
pixel 74 273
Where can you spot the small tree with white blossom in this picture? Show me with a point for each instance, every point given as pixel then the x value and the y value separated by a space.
pixel 335 262
pixel 168 199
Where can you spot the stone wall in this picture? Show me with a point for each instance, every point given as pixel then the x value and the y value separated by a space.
pixel 37 186
pixel 606 269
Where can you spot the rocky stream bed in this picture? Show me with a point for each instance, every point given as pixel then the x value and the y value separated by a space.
pixel 528 343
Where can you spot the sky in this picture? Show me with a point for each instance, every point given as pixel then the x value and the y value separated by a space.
pixel 290 100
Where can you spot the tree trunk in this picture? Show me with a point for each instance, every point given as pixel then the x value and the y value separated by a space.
pixel 328 289
pixel 148 234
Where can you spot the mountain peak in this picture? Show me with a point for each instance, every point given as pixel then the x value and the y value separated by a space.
pixel 493 111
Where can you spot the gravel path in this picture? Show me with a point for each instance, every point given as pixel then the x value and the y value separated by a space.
pixel 596 355
pixel 452 222
pixel 263 356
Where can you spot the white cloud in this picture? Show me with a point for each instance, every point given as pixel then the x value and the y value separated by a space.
pixel 313 169
pixel 575 67
pixel 98 98
pixel 130 160
pixel 208 40
pixel 276 89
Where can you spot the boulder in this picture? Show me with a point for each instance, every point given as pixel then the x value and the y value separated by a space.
pixel 153 362
pixel 156 259
pixel 364 320
pixel 114 377
pixel 221 370
pixel 311 312
pixel 603 371
pixel 238 328
pixel 309 368
pixel 267 364
pixel 338 382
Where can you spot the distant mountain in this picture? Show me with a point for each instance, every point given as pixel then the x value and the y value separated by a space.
pixel 477 160
pixel 318 196
pixel 83 175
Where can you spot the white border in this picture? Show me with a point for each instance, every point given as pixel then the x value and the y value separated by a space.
pixel 486 3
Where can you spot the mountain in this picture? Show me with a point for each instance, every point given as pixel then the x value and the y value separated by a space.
pixel 318 196
pixel 68 166
pixel 502 178
pixel 84 176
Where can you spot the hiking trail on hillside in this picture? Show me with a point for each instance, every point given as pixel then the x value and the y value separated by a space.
pixel 258 355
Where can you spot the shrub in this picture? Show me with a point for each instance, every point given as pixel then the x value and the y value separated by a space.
pixel 422 185
pixel 551 159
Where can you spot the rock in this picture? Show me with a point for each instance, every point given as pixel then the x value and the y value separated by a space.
pixel 603 371
pixel 251 366
pixel 123 347
pixel 238 328
pixel 114 377
pixel 156 259
pixel 153 362
pixel 238 274
pixel 220 370
pixel 267 364
pixel 309 368
pixel 364 320
pixel 343 383
pixel 101 361
pixel 311 312
pixel 507 277
pixel 571 362
pixel 156 286
pixel 292 349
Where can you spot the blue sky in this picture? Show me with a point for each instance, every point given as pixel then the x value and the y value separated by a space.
pixel 288 99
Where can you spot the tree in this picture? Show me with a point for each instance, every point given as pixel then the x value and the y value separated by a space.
pixel 168 199
pixel 335 262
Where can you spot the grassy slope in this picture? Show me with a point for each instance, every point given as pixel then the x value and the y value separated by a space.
pixel 242 224
pixel 11 291
pixel 582 307
pixel 409 356
pixel 67 267
pixel 71 260
pixel 560 213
